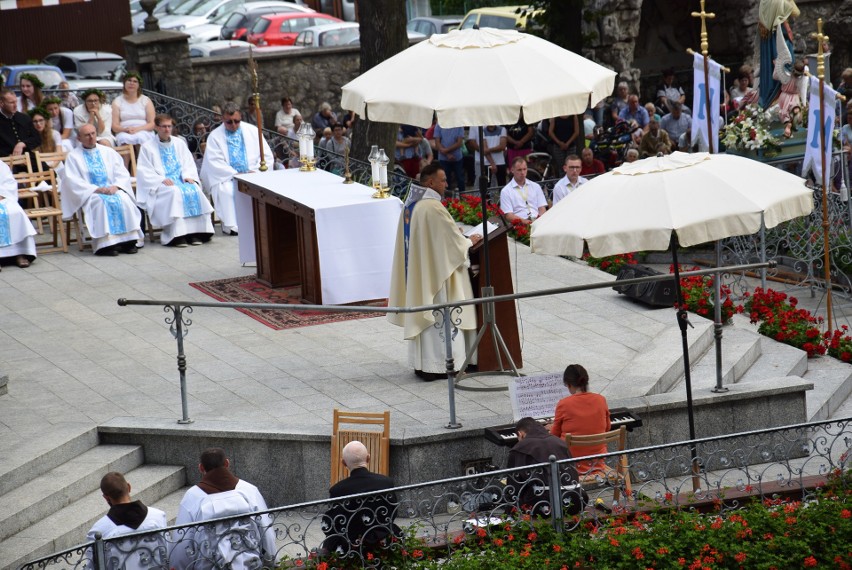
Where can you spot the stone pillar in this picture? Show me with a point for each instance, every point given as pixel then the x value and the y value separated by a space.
pixel 613 28
pixel 162 58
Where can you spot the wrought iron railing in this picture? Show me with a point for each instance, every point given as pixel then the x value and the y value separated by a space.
pixel 727 473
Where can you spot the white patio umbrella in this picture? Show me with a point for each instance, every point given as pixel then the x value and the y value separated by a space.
pixel 477 78
pixel 681 198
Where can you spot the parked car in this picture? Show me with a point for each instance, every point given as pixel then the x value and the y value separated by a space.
pixel 501 17
pixel 162 9
pixel 434 24
pixel 197 13
pixel 208 31
pixel 336 34
pixel 51 76
pixel 282 29
pixel 243 18
pixel 218 47
pixel 85 64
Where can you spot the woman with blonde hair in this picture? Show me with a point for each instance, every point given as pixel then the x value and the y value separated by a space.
pixel 132 113
pixel 31 96
pixel 93 111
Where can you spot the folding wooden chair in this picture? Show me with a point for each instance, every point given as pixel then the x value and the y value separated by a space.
pixel 24 165
pixel 53 212
pixel 618 476
pixel 377 442
pixel 45 161
pixel 128 153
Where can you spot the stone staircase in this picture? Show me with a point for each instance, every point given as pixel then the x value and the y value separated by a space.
pixel 49 489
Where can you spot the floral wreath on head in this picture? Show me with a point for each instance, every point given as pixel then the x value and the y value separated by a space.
pixel 94 91
pixel 131 74
pixel 39 111
pixel 37 83
pixel 51 100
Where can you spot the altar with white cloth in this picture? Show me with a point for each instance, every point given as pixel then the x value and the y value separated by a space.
pixel 309 228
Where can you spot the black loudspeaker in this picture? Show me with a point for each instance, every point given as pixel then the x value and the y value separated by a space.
pixel 654 293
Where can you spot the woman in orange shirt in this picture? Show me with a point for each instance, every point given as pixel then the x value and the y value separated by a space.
pixel 581 413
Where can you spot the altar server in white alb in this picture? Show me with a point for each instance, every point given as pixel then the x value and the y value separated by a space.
pixel 16 231
pixel 232 148
pixel 220 494
pixel 430 265
pixel 168 188
pixel 127 516
pixel 96 181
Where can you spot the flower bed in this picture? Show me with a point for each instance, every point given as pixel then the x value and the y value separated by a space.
pixel 781 320
pixel 611 264
pixel 770 534
pixel 697 296
pixel 468 210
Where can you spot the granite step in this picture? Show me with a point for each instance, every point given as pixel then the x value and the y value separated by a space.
pixel 832 380
pixel 68 526
pixel 25 459
pixel 659 366
pixel 54 490
pixel 741 348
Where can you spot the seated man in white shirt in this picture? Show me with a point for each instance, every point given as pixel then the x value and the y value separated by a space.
pixel 572 179
pixel 522 199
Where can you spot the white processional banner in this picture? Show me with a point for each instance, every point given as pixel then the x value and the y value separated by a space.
pixel 699 102
pixel 813 162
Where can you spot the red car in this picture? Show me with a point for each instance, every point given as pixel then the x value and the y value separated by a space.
pixel 282 29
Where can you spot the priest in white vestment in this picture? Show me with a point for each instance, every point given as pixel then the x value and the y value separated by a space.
pixel 232 148
pixel 96 182
pixel 221 494
pixel 16 230
pixel 430 265
pixel 126 516
pixel 168 188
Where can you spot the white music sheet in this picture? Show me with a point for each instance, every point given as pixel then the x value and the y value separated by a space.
pixel 536 396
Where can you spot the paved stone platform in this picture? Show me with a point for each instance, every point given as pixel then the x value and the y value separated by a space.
pixel 72 354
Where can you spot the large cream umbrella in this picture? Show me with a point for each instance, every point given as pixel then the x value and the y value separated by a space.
pixel 478 77
pixel 684 199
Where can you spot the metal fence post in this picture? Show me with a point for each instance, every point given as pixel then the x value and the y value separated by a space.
pixel 451 366
pixel 98 553
pixel 555 494
pixel 176 327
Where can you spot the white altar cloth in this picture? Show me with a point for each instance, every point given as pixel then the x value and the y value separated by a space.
pixel 356 234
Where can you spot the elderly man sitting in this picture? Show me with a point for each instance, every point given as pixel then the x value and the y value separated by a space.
pixel 96 182
pixel 168 188
pixel 16 230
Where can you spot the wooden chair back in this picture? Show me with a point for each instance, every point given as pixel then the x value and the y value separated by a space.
pixel 21 160
pixel 377 441
pixel 621 473
pixel 128 153
pixel 45 159
pixel 53 211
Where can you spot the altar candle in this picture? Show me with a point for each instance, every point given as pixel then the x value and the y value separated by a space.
pixel 310 149
pixel 303 151
pixel 384 175
pixel 375 169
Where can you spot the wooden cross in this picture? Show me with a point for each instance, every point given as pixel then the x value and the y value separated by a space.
pixel 704 17
pixel 821 39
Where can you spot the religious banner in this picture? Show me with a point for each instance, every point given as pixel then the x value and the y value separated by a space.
pixel 813 162
pixel 699 102
pixel 14 4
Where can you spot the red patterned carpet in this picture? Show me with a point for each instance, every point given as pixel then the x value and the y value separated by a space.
pixel 247 290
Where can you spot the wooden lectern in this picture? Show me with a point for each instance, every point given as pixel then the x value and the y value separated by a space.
pixel 505 314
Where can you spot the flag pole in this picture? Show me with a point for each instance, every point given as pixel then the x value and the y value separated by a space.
pixel 821 39
pixel 705 50
pixel 258 117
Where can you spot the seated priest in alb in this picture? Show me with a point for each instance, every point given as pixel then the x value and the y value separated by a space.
pixel 430 265
pixel 232 148
pixel 96 182
pixel 168 188
pixel 16 231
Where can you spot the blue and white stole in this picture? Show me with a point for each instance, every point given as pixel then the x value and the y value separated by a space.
pixel 237 150
pixel 415 194
pixel 112 202
pixel 5 225
pixel 191 203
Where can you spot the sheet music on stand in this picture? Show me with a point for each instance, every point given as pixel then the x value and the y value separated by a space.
pixel 536 396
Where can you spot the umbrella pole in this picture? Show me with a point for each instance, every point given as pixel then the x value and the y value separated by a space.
pixel 717 318
pixel 489 319
pixel 683 322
